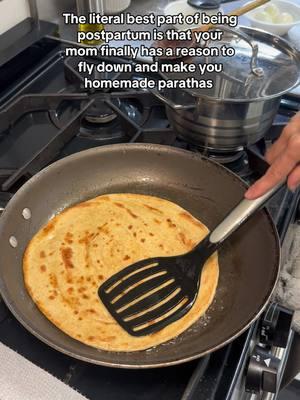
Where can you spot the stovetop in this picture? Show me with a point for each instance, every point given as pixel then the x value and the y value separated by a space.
pixel 46 115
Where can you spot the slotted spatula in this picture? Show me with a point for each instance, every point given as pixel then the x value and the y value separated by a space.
pixel 151 294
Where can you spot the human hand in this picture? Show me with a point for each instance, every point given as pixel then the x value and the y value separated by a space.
pixel 284 159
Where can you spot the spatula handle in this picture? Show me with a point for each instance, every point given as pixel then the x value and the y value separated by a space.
pixel 239 215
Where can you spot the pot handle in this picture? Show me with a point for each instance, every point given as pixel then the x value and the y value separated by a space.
pixel 259 72
pixel 170 102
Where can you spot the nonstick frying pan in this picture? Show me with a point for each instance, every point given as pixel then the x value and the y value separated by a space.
pixel 249 262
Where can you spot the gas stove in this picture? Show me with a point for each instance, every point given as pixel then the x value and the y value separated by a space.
pixel 45 115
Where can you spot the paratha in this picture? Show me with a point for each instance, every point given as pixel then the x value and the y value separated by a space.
pixel 70 257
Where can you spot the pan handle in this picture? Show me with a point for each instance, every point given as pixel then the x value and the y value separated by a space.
pixel 239 215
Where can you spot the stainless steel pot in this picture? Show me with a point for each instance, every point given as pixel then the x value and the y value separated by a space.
pixel 223 127
pixel 245 98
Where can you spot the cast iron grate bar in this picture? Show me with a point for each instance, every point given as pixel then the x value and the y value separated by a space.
pixel 114 60
pixel 165 136
pixel 128 124
pixel 212 376
pixel 72 75
pixel 5 173
pixel 49 102
pixel 139 134
pixel 256 162
pixel 49 152
pixel 196 378
pixel 146 98
pixel 37 73
pixel 34 102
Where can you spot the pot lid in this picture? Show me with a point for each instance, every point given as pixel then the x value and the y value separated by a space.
pixel 264 66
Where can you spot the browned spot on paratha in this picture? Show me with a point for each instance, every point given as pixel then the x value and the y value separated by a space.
pixel 66 254
pixel 187 242
pixel 105 198
pixel 171 223
pixel 53 280
pixel 109 338
pixel 120 205
pixel 49 227
pixel 190 219
pixel 131 213
pixel 69 238
pixel 153 209
pixel 91 311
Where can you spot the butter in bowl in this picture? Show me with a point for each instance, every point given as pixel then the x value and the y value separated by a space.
pixel 277 17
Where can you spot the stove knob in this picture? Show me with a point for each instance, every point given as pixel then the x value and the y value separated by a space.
pixel 262 372
pixel 276 325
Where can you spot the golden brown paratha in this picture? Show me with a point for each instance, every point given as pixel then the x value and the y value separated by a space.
pixel 69 258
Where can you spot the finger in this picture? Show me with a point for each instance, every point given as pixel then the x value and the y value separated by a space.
pixel 294 179
pixel 278 171
pixel 274 175
pixel 276 149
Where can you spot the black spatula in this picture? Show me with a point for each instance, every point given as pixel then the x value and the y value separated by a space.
pixel 151 294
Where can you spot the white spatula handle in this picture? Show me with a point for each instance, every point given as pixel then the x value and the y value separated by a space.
pixel 240 214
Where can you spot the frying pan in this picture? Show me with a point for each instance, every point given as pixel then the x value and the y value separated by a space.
pixel 249 262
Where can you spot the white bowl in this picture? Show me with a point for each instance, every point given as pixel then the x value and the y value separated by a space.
pixel 181 6
pixel 276 29
pixel 294 36
pixel 112 7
